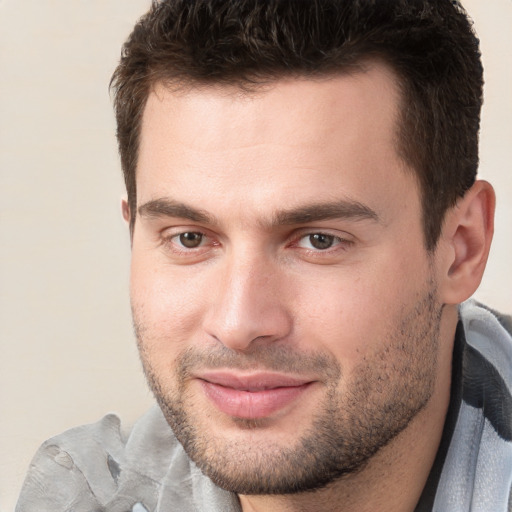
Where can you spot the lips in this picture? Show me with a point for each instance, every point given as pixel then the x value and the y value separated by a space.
pixel 252 396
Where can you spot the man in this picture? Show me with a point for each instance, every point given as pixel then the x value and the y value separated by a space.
pixel 305 222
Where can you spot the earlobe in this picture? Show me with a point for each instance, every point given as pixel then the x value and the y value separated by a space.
pixel 125 209
pixel 466 237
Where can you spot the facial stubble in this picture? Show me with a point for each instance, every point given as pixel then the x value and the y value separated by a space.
pixel 355 420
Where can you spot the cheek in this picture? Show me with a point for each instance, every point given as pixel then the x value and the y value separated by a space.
pixel 337 318
pixel 167 309
pixel 352 312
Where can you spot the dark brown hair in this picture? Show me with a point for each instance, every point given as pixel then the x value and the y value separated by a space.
pixel 429 44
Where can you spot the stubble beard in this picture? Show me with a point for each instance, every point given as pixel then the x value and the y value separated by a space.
pixel 352 424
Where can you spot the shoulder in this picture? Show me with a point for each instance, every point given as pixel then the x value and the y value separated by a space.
pixel 487 367
pixel 477 472
pixel 87 467
pixel 489 333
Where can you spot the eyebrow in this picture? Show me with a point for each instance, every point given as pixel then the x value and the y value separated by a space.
pixel 169 208
pixel 342 209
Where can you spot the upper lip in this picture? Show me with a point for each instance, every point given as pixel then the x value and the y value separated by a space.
pixel 252 382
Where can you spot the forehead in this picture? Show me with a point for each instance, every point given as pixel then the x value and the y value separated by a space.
pixel 283 106
pixel 330 136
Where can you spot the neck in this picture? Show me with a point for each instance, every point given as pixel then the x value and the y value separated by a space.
pixel 394 478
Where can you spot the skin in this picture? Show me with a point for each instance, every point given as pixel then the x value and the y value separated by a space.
pixel 367 319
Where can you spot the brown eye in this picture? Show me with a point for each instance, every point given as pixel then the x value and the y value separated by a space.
pixel 190 239
pixel 321 241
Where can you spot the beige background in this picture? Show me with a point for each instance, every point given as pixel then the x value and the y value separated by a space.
pixel 67 354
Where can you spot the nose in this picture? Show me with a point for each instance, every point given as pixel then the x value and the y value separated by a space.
pixel 248 304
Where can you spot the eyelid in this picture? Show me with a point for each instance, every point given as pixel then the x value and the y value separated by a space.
pixel 336 233
pixel 172 231
pixel 178 236
pixel 167 240
pixel 336 240
pixel 168 236
pixel 343 242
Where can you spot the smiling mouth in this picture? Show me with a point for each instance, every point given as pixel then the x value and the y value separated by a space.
pixel 252 397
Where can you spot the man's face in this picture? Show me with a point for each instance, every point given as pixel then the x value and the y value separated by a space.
pixel 285 306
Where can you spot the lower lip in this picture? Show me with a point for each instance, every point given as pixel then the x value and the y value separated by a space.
pixel 251 404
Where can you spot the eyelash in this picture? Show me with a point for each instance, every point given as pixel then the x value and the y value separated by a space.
pixel 334 240
pixel 338 243
pixel 169 241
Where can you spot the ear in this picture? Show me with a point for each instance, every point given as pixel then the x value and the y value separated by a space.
pixel 465 243
pixel 125 209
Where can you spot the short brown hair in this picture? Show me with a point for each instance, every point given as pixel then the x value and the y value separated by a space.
pixel 429 44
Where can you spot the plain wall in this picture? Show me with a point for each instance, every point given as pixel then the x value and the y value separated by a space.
pixel 67 352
